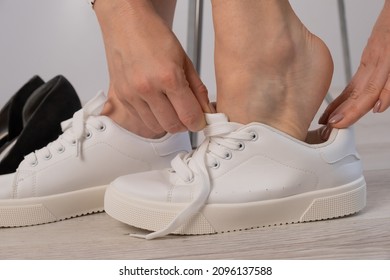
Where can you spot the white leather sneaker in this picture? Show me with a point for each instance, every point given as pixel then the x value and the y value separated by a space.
pixel 243 177
pixel 68 177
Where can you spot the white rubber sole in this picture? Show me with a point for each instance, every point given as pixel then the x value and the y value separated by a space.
pixel 217 218
pixel 53 208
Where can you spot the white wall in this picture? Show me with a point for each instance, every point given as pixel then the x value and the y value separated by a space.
pixel 50 37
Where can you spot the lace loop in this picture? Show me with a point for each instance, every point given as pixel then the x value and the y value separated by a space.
pixel 180 163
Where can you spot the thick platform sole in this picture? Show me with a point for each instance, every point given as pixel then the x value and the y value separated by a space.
pixel 217 218
pixel 53 208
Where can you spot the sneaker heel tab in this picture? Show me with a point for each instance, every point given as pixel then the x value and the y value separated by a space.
pixel 340 145
pixel 95 105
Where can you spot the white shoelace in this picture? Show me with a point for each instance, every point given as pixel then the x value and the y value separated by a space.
pixel 222 138
pixel 74 130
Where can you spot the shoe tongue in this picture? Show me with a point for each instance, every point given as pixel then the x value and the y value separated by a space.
pixel 92 108
pixel 96 104
pixel 216 118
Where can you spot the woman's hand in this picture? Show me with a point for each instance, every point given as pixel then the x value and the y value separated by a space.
pixel 369 88
pixel 150 73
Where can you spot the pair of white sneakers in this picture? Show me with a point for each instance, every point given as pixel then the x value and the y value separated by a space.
pixel 240 177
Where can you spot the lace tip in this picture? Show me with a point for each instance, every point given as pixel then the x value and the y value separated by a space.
pixel 142 236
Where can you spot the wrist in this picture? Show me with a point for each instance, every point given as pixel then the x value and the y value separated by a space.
pixel 120 6
pixel 109 11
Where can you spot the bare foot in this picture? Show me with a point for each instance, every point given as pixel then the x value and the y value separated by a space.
pixel 269 67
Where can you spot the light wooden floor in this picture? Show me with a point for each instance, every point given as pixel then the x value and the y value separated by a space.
pixel 362 236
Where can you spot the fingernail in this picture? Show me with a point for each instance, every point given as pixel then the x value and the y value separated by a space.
pixel 326 132
pixel 336 118
pixel 377 106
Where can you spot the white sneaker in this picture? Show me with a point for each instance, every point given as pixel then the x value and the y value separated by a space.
pixel 243 177
pixel 68 177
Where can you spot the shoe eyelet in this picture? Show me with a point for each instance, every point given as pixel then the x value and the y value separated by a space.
pixel 228 155
pixel 241 146
pixel 61 150
pixel 74 142
pixel 255 136
pixel 47 157
pixel 89 135
pixel 215 165
pixel 102 128
pixel 34 163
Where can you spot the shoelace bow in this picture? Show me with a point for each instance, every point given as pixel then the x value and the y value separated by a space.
pixel 221 139
pixel 74 130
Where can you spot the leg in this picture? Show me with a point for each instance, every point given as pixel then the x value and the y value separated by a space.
pixel 269 67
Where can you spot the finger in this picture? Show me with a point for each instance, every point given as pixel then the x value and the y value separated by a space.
pixel 188 109
pixel 384 99
pixel 335 104
pixel 360 102
pixel 345 94
pixel 165 113
pixel 147 116
pixel 197 87
pixel 183 100
pixel 151 103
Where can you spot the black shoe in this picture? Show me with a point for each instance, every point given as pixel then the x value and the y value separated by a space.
pixel 11 121
pixel 47 107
